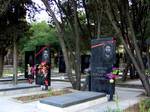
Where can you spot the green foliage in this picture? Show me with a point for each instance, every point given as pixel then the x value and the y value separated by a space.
pixel 12 22
pixel 145 105
pixel 39 34
pixel 117 104
pixel 50 92
pixel 142 107
pixel 147 72
pixel 21 69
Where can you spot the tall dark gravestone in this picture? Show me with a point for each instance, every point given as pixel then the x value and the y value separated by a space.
pixel 85 62
pixel 102 61
pixel 29 61
pixel 43 65
pixel 61 61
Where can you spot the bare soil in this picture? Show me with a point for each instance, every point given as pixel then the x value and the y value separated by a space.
pixel 30 98
pixel 134 108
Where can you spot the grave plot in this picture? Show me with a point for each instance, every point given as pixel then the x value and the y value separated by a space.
pixel 36 97
pixel 72 102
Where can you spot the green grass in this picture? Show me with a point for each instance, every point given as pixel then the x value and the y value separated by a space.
pixel 9 72
pixel 144 105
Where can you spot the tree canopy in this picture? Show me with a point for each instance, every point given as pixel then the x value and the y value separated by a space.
pixel 77 22
pixel 126 20
pixel 12 24
pixel 39 34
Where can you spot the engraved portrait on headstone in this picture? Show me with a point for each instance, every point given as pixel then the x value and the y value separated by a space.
pixel 45 55
pixel 43 66
pixel 107 52
pixel 102 60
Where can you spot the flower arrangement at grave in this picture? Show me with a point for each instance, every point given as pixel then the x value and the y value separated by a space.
pixel 113 75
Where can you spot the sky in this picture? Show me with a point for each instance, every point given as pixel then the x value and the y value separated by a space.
pixel 41 16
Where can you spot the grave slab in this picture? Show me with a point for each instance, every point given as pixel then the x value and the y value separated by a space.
pixel 72 102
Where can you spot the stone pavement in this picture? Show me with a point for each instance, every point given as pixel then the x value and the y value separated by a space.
pixel 133 82
pixel 126 96
pixel 8 104
pixel 27 88
pixel 136 83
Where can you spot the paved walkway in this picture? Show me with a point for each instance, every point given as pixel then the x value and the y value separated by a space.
pixel 9 104
pixel 133 82
pixel 126 97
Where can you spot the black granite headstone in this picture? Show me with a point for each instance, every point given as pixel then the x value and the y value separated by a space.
pixel 43 65
pixel 85 62
pixel 29 61
pixel 62 66
pixel 102 61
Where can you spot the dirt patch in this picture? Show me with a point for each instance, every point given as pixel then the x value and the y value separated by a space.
pixel 142 106
pixel 134 108
pixel 35 97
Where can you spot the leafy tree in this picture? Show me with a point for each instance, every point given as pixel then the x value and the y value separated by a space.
pixel 75 27
pixel 12 26
pixel 129 20
pixel 69 23
pixel 39 34
pixel 3 6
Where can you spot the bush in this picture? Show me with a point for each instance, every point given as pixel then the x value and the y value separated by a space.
pixel 145 105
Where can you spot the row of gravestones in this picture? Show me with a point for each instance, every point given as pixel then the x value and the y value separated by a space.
pixel 102 60
pixel 37 64
pixel 85 63
pixel 101 64
pixel 38 60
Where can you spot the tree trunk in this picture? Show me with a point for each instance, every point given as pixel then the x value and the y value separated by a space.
pixel 98 27
pixel 99 19
pixel 77 48
pixel 125 72
pixel 78 66
pixel 1 64
pixel 14 62
pixel 60 31
pixel 148 57
pixel 144 79
pixel 88 18
pixel 141 68
pixel 67 62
